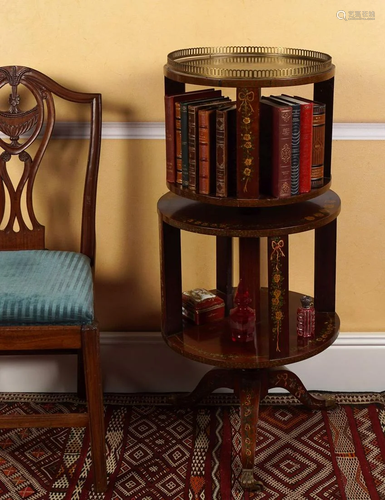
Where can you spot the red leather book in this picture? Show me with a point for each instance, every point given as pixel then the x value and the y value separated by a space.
pixel 226 167
pixel 305 143
pixel 276 144
pixel 170 126
pixel 318 150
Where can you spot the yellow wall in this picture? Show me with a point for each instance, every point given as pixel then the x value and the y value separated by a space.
pixel 119 48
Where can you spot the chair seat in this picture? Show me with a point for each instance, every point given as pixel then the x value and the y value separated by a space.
pixel 45 287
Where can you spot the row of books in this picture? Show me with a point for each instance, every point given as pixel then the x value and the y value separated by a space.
pixel 201 144
pixel 292 145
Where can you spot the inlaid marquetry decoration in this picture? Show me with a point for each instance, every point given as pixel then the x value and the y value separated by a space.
pixel 278 296
pixel 19 129
pixel 248 156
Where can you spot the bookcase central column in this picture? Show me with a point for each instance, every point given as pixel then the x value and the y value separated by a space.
pixel 249 270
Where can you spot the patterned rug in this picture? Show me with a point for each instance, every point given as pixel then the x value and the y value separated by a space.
pixel 157 452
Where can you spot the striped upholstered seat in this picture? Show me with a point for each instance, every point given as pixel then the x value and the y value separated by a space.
pixel 45 287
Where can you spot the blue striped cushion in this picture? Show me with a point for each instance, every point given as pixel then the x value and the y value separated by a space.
pixel 45 287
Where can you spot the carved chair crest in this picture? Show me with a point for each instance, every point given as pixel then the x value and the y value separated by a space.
pixel 19 128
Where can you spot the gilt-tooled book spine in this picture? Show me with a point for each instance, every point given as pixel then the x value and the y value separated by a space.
pixel 318 153
pixel 295 142
pixel 306 142
pixel 192 169
pixel 206 123
pixel 281 140
pixel 226 152
pixel 318 142
pixel 306 147
pixel 170 126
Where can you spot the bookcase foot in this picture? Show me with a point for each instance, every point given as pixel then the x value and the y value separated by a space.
pixel 249 482
pixel 251 386
pixel 284 378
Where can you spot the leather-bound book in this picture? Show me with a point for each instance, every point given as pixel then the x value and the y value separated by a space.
pixel 295 142
pixel 190 157
pixel 226 159
pixel 306 143
pixel 275 147
pixel 318 150
pixel 170 102
pixel 206 150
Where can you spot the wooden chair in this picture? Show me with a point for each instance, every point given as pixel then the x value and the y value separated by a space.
pixel 46 296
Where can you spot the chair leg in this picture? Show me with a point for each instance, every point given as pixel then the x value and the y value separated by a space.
pixel 93 379
pixel 81 382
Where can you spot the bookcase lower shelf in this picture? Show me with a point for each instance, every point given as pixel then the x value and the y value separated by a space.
pixel 247 370
pixel 211 343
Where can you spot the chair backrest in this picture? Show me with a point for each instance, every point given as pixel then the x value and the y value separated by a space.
pixel 20 228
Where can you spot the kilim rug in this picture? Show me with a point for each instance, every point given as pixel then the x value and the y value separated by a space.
pixel 159 452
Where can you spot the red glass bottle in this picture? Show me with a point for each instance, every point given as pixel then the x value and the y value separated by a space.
pixel 306 318
pixel 242 317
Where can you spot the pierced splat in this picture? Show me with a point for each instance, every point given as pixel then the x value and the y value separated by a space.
pixel 22 128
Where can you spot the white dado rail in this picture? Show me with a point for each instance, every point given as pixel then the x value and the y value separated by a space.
pixel 155 130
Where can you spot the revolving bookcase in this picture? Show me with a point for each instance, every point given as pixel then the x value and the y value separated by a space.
pixel 251 368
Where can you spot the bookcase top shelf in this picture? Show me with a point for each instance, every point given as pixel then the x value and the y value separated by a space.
pixel 262 201
pixel 245 66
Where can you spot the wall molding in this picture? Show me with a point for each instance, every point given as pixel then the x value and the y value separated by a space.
pixel 142 362
pixel 155 130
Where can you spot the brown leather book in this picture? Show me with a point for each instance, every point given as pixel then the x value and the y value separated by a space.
pixel 276 144
pixel 226 166
pixel 206 150
pixel 170 126
pixel 193 138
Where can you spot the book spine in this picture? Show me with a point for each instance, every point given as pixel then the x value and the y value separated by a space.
pixel 184 143
pixel 206 147
pixel 221 154
pixel 192 150
pixel 178 144
pixel 281 164
pixel 306 147
pixel 295 145
pixel 170 138
pixel 248 142
pixel 318 153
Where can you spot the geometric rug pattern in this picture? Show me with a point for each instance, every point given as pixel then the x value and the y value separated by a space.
pixel 156 451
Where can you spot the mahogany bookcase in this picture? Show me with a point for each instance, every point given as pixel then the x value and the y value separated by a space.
pixel 251 368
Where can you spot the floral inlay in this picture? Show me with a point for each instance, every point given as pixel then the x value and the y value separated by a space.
pixel 276 289
pixel 246 97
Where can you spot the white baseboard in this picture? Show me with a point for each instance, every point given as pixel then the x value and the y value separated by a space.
pixel 142 362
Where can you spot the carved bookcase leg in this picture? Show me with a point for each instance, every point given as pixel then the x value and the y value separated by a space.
pixel 284 378
pixel 214 379
pixel 250 394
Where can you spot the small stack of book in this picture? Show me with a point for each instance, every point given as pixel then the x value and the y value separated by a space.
pixel 201 150
pixel 292 142
pixel 200 142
